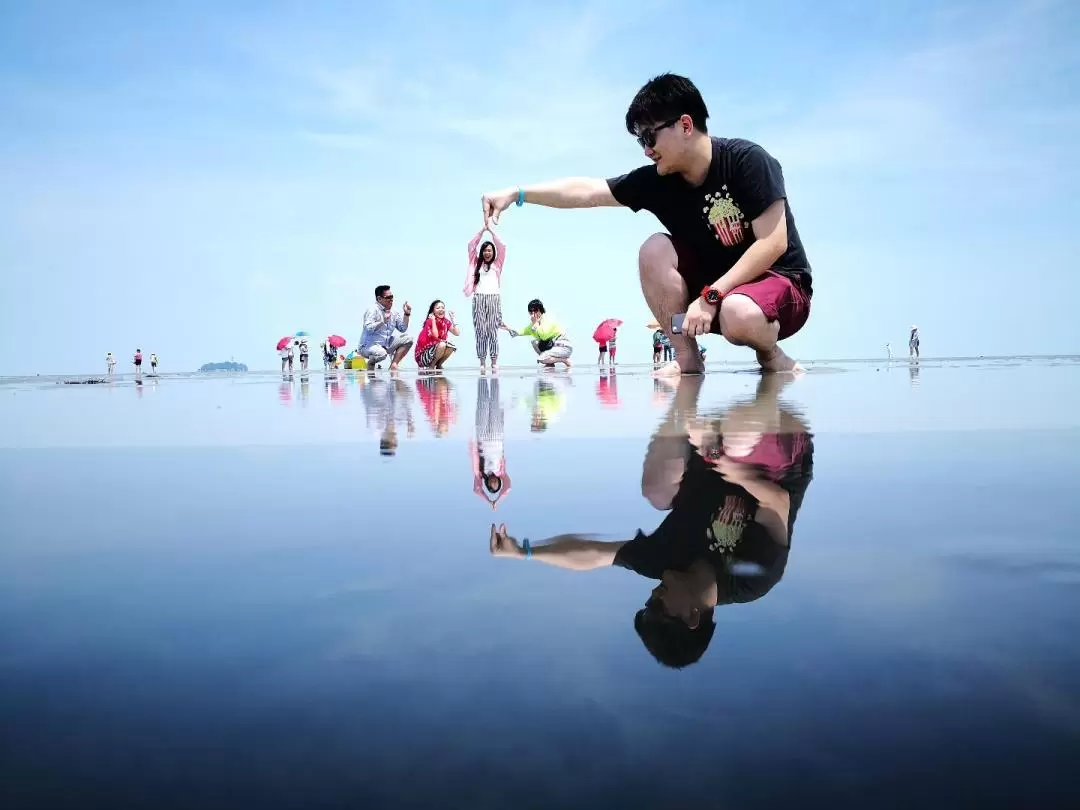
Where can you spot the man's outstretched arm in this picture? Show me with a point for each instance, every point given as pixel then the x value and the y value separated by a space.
pixel 570 192
pixel 572 551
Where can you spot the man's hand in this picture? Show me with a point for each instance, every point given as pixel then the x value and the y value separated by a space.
pixel 386 316
pixel 502 544
pixel 699 318
pixel 407 309
pixel 494 203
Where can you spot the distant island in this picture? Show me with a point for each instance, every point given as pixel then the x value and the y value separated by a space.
pixel 223 367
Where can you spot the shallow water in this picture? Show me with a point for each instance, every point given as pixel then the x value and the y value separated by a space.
pixel 249 591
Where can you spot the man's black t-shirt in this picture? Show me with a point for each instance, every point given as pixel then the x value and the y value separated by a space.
pixel 712 518
pixel 714 220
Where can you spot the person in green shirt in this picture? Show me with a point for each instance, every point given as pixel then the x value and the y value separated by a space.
pixel 549 340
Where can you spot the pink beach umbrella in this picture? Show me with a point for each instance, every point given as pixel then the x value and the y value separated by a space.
pixel 606 330
pixel 337 341
pixel 285 341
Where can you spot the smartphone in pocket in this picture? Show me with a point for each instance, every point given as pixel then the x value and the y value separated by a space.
pixel 677 322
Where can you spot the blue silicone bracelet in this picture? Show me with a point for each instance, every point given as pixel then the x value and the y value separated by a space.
pixel 521 196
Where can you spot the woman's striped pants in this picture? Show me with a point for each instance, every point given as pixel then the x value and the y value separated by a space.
pixel 486 318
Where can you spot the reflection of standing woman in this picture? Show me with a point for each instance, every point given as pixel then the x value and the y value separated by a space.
pixel 490 480
pixel 483 285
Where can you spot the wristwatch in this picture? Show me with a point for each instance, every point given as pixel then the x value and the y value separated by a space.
pixel 712 296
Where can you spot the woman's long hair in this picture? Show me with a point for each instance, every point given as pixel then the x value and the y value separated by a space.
pixel 434 304
pixel 480 260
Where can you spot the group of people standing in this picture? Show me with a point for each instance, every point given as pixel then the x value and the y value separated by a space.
pixel 137 361
pixel 386 329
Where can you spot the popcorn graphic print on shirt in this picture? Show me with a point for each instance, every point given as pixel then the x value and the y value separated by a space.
pixel 725 219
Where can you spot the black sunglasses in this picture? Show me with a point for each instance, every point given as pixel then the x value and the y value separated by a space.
pixel 647 137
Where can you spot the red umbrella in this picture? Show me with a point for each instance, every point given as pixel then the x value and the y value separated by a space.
pixel 337 341
pixel 285 341
pixel 606 331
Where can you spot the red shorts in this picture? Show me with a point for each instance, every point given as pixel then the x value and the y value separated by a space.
pixel 780 298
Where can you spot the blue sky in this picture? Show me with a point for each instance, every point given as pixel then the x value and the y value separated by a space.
pixel 199 178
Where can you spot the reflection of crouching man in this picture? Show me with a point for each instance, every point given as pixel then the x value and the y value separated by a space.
pixel 732 488
pixel 384 330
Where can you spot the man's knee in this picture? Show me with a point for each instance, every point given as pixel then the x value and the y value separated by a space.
pixel 742 321
pixel 657 255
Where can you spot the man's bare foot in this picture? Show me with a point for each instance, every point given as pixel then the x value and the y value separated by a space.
pixel 776 361
pixel 673 369
pixel 483 369
pixel 494 369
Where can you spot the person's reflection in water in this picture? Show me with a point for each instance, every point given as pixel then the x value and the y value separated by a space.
pixel 305 389
pixel 388 403
pixel 547 401
pixel 913 373
pixel 437 398
pixel 663 392
pixel 607 388
pixel 487 449
pixel 335 387
pixel 734 484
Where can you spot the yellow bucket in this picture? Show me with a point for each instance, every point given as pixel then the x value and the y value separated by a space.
pixel 358 364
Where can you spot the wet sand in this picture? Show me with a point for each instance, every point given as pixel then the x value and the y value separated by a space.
pixel 243 590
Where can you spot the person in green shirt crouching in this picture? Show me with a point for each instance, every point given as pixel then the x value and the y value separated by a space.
pixel 549 341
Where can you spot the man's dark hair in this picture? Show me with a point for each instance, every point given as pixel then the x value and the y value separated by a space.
pixel 536 305
pixel 380 291
pixel 669 640
pixel 665 97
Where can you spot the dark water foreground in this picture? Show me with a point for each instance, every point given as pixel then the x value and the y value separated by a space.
pixel 862 588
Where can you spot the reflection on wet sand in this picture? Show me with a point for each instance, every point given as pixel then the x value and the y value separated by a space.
pixel 732 482
pixel 547 401
pixel 607 388
pixel 487 448
pixel 436 394
pixel 335 387
pixel 387 404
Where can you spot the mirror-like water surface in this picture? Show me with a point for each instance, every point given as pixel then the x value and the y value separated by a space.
pixel 860 587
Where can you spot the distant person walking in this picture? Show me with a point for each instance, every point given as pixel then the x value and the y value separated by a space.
pixel 913 342
pixel 110 363
pixel 138 362
pixel 483 283
pixel 153 362
pixel 888 350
